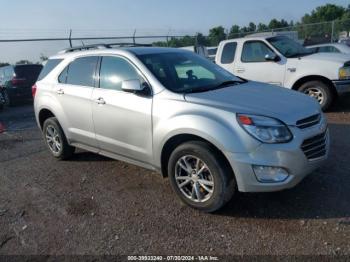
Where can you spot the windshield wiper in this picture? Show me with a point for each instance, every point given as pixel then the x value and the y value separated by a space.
pixel 221 85
pixel 228 83
pixel 300 54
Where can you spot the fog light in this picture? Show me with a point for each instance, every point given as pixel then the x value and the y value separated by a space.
pixel 270 174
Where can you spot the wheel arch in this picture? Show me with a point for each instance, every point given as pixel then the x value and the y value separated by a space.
pixel 179 139
pixel 309 78
pixel 44 114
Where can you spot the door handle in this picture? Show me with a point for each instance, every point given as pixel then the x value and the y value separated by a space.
pixel 100 101
pixel 240 70
pixel 60 91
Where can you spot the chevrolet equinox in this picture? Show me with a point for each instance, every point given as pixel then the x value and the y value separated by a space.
pixel 170 110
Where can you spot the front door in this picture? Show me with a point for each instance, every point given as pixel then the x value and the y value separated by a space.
pixel 253 64
pixel 122 120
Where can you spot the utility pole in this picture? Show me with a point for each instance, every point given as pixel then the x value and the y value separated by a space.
pixel 70 38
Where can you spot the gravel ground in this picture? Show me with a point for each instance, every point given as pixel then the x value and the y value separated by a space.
pixel 94 205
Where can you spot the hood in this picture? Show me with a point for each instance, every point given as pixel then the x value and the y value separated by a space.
pixel 260 99
pixel 332 57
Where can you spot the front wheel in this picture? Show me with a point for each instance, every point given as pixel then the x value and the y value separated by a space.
pixel 320 91
pixel 200 176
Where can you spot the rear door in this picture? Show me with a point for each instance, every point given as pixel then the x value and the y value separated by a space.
pixel 253 65
pixel 74 91
pixel 122 120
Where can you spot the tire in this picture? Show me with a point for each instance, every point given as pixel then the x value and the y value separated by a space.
pixel 56 140
pixel 2 101
pixel 216 174
pixel 6 98
pixel 319 90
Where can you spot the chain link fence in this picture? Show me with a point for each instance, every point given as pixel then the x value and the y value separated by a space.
pixel 324 32
pixel 19 43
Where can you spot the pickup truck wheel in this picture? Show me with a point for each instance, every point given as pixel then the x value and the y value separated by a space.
pixel 320 91
pixel 200 177
pixel 56 140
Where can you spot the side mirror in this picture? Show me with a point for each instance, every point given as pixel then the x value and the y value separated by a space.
pixel 132 86
pixel 272 58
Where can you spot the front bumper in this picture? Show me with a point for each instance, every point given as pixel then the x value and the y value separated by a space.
pixel 289 156
pixel 342 86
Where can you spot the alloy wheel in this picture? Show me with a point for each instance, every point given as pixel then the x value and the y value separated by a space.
pixel 194 178
pixel 53 140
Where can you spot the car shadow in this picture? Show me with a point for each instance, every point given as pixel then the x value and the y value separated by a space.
pixel 342 104
pixel 323 194
pixel 85 156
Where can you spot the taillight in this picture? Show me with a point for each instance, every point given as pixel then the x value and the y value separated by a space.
pixel 33 90
pixel 17 81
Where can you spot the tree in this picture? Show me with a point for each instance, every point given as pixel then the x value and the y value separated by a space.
pixel 216 35
pixel 234 31
pixel 262 27
pixel 274 24
pixel 23 61
pixel 202 40
pixel 325 13
pixel 252 27
pixel 4 64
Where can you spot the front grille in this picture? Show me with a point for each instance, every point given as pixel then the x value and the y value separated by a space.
pixel 309 121
pixel 315 147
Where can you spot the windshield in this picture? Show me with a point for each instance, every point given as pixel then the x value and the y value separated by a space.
pixel 288 47
pixel 184 72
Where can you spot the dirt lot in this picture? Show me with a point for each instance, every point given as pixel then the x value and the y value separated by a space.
pixel 95 205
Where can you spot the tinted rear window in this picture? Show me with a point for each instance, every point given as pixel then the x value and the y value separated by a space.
pixel 228 53
pixel 81 71
pixel 28 71
pixel 49 66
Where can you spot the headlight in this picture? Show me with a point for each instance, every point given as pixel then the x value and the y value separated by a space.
pixel 265 129
pixel 344 73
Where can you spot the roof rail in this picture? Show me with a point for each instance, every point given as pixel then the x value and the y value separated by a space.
pixel 100 46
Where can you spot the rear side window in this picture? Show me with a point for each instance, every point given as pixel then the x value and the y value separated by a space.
pixel 80 72
pixel 49 66
pixel 228 53
pixel 29 72
pixel 8 72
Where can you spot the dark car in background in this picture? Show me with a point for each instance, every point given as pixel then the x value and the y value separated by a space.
pixel 16 82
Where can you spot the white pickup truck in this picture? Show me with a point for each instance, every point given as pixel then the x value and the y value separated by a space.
pixel 282 61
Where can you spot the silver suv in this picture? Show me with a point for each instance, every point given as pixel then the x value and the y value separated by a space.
pixel 175 112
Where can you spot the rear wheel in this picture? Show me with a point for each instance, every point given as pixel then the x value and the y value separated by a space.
pixel 56 140
pixel 200 177
pixel 320 91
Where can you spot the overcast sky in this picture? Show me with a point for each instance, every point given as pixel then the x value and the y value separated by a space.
pixel 42 18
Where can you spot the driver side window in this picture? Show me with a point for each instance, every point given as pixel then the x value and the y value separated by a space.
pixel 114 70
pixel 255 51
